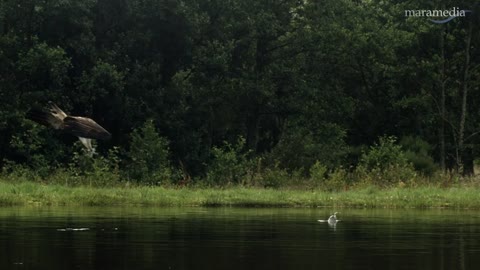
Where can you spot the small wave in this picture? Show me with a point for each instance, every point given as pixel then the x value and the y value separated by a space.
pixel 73 229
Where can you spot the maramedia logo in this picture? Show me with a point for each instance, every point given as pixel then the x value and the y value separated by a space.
pixel 450 13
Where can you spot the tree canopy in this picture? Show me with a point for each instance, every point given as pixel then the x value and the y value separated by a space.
pixel 297 82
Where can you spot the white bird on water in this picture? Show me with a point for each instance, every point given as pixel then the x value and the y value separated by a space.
pixel 332 220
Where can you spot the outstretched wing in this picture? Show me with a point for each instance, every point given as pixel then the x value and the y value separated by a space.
pixel 85 127
pixel 45 118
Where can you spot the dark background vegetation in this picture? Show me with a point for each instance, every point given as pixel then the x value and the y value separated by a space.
pixel 222 91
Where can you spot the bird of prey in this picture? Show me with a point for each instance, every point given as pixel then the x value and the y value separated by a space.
pixel 84 128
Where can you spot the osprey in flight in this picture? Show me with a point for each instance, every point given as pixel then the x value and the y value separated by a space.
pixel 83 127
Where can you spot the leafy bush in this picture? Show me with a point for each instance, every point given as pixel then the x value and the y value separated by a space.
pixel 300 148
pixel 383 154
pixel 417 152
pixel 18 172
pixel 333 181
pixel 274 177
pixel 230 164
pixel 392 175
pixel 148 154
pixel 35 148
pixel 384 164
pixel 337 180
pixel 318 173
pixel 92 170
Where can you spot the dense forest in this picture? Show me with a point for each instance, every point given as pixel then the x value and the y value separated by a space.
pixel 218 90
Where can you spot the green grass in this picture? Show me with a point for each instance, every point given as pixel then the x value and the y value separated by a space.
pixel 32 193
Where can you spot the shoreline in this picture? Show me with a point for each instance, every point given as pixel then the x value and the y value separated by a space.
pixel 32 193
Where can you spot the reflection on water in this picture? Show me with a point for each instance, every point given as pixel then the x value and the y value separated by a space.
pixel 233 238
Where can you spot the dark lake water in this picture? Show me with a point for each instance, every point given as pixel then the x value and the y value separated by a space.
pixel 237 238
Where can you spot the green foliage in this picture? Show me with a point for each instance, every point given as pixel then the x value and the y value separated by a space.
pixel 149 156
pixel 13 191
pixel 92 170
pixel 103 80
pixel 301 81
pixel 44 66
pixel 318 173
pixel 337 180
pixel 383 154
pixel 18 172
pixel 300 148
pixel 385 164
pixel 35 148
pixel 274 177
pixel 230 164
pixel 393 175
pixel 417 152
pixel 28 145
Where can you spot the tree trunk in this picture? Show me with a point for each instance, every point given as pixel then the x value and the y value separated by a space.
pixel 442 101
pixel 464 87
pixel 252 130
pixel 467 159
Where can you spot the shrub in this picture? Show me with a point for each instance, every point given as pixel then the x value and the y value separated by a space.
pixel 149 156
pixel 417 153
pixel 383 154
pixel 92 170
pixel 392 175
pixel 318 173
pixel 337 180
pixel 384 164
pixel 18 172
pixel 274 177
pixel 34 150
pixel 230 164
pixel 300 148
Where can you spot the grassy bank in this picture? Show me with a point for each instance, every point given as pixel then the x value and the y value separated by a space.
pixel 31 193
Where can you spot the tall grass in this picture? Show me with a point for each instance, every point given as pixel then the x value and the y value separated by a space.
pixel 31 193
pixel 383 178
